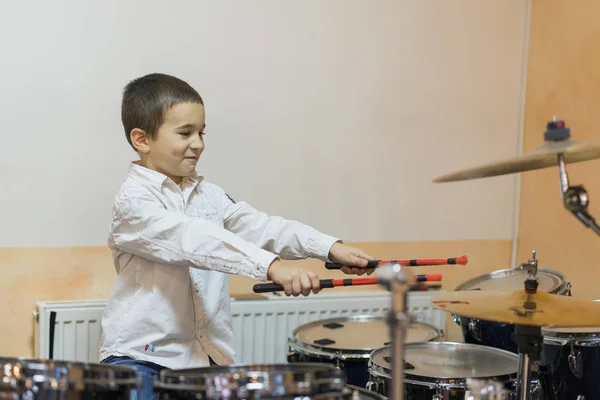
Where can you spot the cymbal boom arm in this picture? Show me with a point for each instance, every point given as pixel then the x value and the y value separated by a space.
pixel 575 198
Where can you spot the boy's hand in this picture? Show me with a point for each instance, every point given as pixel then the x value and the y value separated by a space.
pixel 354 259
pixel 294 280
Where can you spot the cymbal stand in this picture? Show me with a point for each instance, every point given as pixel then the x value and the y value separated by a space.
pixel 528 338
pixel 395 281
pixel 575 198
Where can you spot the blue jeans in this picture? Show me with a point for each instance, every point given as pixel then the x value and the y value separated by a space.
pixel 149 372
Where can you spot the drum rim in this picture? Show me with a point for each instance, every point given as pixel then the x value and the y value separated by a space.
pixel 583 339
pixel 381 371
pixel 343 393
pixel 251 368
pixel 514 271
pixel 74 374
pixel 366 392
pixel 308 379
pixel 332 353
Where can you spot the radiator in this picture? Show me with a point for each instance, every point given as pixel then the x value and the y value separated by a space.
pixel 261 327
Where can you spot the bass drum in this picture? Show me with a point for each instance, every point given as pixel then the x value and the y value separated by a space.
pixel 497 334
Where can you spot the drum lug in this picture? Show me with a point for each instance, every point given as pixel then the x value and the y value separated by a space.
pixel 575 362
pixel 568 288
pixel 375 384
pixel 536 391
pixel 291 355
pixel 442 336
pixel 439 393
pixel 473 328
pixel 456 319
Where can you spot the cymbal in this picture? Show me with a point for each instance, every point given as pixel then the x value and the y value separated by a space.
pixel 542 157
pixel 520 308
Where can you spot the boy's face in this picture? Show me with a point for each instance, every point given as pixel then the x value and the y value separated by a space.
pixel 179 142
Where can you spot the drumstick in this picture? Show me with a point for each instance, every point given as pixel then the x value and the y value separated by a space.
pixel 331 283
pixel 462 260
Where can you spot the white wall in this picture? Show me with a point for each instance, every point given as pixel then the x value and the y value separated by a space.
pixel 337 113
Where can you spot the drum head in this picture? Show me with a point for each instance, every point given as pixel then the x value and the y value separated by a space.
pixel 550 281
pixel 355 336
pixel 446 360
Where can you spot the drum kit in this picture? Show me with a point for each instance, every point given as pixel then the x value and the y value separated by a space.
pixel 526 311
pixel 525 336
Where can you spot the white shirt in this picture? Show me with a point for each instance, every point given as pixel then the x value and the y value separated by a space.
pixel 172 247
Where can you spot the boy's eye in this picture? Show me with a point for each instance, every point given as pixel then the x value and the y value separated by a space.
pixel 189 133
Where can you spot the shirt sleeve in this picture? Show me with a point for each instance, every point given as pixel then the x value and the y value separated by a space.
pixel 289 239
pixel 144 227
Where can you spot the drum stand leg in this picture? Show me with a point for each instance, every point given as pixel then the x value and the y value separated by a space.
pixel 398 323
pixel 395 281
pixel 529 342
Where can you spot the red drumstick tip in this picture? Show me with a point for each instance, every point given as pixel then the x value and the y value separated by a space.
pixel 462 260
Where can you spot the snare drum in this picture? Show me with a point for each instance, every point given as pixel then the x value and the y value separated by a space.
pixel 283 381
pixel 347 342
pixel 22 379
pixel 442 369
pixel 497 334
pixel 570 363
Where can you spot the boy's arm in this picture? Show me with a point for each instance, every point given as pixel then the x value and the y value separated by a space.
pixel 144 227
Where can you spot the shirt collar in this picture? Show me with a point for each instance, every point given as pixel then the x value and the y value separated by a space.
pixel 157 179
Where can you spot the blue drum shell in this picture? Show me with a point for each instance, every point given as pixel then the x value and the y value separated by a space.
pixel 570 363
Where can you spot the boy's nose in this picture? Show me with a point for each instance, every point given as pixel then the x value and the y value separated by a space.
pixel 197 144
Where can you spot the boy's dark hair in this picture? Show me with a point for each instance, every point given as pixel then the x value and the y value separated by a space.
pixel 147 99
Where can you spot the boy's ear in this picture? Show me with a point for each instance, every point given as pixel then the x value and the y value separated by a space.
pixel 139 139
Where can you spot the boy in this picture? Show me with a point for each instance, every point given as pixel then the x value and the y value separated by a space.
pixel 174 237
